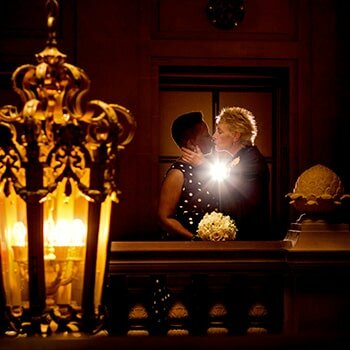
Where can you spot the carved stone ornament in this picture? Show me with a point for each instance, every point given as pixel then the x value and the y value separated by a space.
pixel 225 14
pixel 257 319
pixel 217 320
pixel 138 318
pixel 317 190
pixel 178 315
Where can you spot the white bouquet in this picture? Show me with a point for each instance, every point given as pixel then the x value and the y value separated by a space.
pixel 217 227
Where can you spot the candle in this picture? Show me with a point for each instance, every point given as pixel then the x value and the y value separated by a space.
pixel 64 249
pixel 19 236
pixel 64 233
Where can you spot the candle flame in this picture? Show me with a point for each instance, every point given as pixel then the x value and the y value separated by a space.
pixel 63 233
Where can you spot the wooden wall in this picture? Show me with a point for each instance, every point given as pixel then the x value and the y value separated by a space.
pixel 122 43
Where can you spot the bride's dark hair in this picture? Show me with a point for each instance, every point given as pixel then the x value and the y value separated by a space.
pixel 183 127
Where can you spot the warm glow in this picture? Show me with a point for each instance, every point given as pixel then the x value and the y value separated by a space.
pixel 219 171
pixel 58 163
pixel 19 234
pixel 64 243
pixel 64 233
pixel 102 248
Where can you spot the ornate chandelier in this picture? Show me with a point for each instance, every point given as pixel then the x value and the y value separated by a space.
pixel 58 178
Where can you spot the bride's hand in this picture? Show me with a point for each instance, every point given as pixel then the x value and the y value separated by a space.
pixel 194 158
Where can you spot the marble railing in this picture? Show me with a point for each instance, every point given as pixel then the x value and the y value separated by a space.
pixel 231 288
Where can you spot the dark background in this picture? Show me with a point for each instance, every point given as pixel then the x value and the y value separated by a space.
pixel 122 45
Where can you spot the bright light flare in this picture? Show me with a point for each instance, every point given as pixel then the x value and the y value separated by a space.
pixel 219 171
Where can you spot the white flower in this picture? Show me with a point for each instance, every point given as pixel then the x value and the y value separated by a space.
pixel 217 227
pixel 235 161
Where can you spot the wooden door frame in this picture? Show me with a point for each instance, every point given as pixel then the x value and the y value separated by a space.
pixel 277 76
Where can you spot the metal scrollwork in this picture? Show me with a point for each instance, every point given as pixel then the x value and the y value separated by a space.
pixel 56 127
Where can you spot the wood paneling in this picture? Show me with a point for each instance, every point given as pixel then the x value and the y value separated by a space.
pixel 122 44
pixel 267 20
